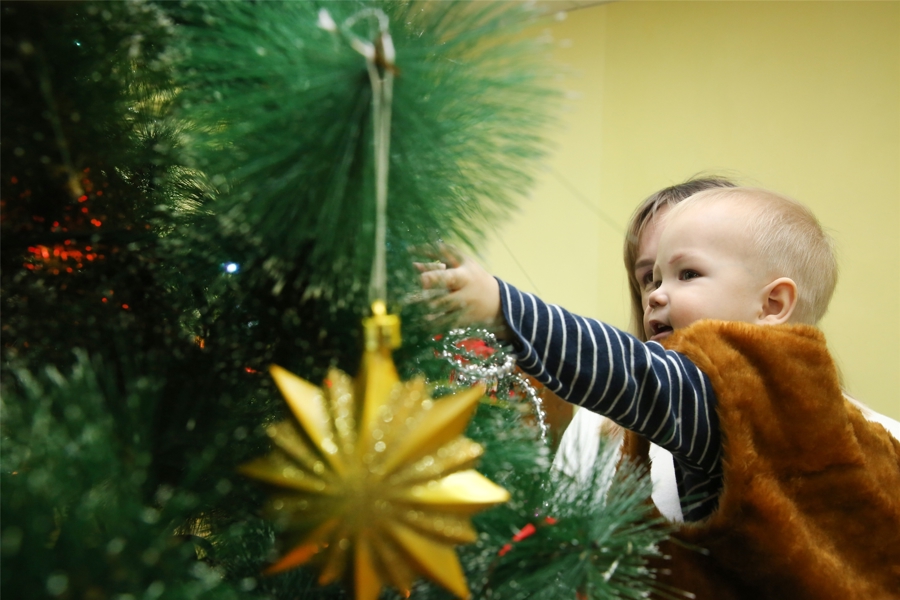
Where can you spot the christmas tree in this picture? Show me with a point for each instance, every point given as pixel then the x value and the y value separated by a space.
pixel 193 192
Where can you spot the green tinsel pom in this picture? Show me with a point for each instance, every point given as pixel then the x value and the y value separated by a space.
pixel 280 120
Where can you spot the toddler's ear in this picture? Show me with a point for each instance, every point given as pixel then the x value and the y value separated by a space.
pixel 779 301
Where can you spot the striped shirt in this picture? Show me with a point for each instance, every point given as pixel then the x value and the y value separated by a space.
pixel 643 387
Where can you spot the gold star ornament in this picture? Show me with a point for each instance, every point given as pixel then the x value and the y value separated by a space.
pixel 374 477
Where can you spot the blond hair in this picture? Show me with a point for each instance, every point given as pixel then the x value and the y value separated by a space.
pixel 786 236
pixel 643 214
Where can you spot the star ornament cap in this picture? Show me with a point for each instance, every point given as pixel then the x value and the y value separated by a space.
pixel 374 478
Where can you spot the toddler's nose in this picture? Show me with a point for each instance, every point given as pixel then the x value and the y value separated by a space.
pixel 656 298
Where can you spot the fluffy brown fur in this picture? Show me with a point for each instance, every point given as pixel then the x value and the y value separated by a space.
pixel 810 508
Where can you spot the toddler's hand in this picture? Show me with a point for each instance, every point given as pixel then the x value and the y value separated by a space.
pixel 471 291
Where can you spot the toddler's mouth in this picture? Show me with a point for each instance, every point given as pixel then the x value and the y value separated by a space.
pixel 659 330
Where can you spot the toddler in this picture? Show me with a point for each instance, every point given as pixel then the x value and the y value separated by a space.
pixel 782 479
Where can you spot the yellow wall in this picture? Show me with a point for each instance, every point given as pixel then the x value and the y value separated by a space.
pixel 799 97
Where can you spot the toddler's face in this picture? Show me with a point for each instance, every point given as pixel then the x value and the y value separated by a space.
pixel 704 269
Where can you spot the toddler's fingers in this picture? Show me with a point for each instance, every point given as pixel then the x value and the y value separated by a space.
pixel 442 253
pixel 431 279
pixel 453 278
pixel 423 296
pixel 449 279
pixel 449 255
pixel 443 310
pixel 446 303
pixel 441 306
pixel 430 266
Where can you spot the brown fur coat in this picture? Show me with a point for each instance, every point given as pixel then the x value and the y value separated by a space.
pixel 810 508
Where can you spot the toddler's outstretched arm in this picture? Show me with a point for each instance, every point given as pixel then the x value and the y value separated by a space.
pixel 655 392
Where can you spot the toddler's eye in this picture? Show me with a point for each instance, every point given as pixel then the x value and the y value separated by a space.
pixel 647 280
pixel 689 274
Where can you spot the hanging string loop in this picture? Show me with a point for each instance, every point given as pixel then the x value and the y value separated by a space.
pixel 380 55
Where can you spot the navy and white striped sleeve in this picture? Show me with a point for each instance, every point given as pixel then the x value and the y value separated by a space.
pixel 658 393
